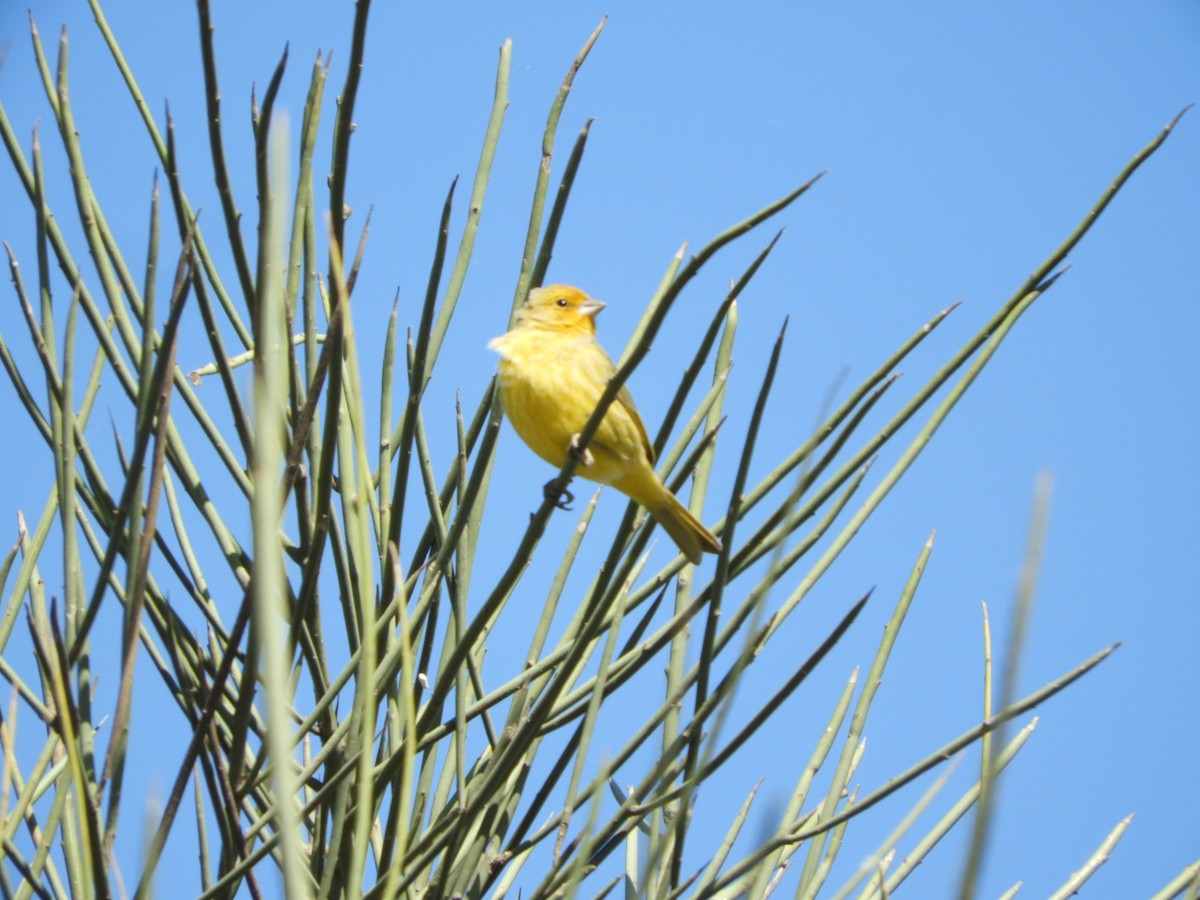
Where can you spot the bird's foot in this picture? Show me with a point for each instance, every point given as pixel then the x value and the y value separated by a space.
pixel 561 499
pixel 584 456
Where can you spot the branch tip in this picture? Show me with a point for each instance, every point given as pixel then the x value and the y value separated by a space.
pixel 1179 115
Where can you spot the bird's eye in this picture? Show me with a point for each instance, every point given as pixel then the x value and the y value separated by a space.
pixel 562 301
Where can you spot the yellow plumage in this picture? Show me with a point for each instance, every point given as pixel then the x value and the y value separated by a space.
pixel 551 375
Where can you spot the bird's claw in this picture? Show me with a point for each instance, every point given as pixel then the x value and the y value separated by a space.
pixel 584 456
pixel 561 499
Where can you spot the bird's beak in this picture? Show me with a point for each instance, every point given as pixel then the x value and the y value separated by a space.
pixel 590 307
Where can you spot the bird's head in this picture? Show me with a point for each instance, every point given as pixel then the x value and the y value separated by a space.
pixel 561 306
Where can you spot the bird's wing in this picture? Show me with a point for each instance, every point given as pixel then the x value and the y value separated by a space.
pixel 626 400
pixel 590 359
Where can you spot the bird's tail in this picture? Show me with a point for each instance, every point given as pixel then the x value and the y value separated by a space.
pixel 692 538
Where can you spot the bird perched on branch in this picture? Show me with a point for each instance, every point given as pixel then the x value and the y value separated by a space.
pixel 552 373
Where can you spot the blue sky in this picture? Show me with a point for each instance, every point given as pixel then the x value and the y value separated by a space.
pixel 963 143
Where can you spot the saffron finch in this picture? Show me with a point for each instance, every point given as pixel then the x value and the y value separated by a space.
pixel 551 375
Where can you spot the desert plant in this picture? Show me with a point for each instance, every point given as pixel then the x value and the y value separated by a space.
pixel 298 575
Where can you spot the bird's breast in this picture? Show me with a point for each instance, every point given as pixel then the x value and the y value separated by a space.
pixel 549 384
pixel 542 391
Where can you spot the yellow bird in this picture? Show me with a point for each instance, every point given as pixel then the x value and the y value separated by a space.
pixel 552 373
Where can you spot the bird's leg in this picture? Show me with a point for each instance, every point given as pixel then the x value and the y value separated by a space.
pixel 561 499
pixel 573 448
